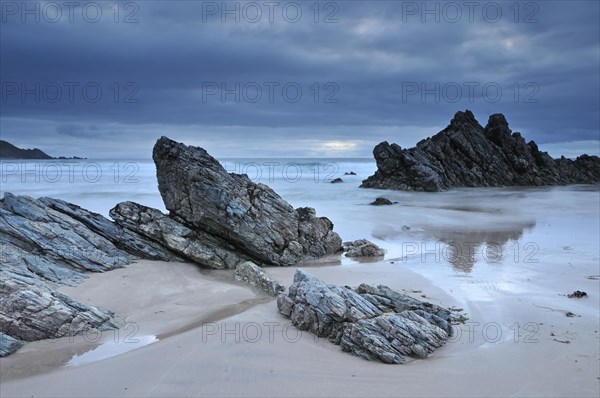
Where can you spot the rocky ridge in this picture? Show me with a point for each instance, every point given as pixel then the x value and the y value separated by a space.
pixel 465 154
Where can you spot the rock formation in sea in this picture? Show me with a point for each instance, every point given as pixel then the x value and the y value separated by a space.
pixel 362 248
pixel 465 154
pixel 372 322
pixel 381 201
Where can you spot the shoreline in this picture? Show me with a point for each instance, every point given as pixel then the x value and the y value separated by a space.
pixel 223 355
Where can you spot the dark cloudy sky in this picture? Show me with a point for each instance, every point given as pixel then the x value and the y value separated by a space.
pixel 301 79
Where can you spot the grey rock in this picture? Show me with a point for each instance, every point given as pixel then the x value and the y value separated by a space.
pixel 8 344
pixel 375 323
pixel 351 173
pixel 42 232
pixel 337 181
pixel 362 248
pixel 34 312
pixel 465 154
pixel 122 238
pixel 45 243
pixel 381 201
pixel 190 245
pixel 252 274
pixel 199 193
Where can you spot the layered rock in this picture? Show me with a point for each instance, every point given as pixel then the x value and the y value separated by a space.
pixel 191 245
pixel 465 154
pixel 46 243
pixel 253 275
pixel 251 217
pixel 375 323
pixel 34 312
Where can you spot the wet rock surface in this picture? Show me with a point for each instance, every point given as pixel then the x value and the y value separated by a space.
pixel 362 248
pixel 372 322
pixel 465 154
pixel 381 201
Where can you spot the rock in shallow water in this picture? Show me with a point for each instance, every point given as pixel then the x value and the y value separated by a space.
pixel 362 248
pixel 375 323
pixel 465 154
pixel 200 193
pixel 381 201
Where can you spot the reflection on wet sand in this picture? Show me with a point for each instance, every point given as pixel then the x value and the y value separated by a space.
pixel 462 249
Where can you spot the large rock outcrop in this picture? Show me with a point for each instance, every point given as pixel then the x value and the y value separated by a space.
pixel 465 154
pixel 46 243
pixel 251 217
pixel 375 323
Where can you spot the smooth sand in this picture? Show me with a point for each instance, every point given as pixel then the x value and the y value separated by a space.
pixel 218 338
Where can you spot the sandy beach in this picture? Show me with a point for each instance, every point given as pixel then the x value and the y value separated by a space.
pixel 214 337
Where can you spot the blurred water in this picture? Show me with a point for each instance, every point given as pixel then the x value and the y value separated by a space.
pixel 463 231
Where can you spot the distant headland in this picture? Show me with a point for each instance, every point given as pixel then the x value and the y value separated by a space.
pixel 9 151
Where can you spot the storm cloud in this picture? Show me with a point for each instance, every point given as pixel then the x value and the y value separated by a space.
pixel 106 79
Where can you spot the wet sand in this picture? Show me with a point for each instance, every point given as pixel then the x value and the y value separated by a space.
pixel 217 338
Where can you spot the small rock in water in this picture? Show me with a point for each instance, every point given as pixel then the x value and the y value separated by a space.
pixel 577 294
pixel 381 201
pixel 350 173
pixel 337 181
pixel 362 248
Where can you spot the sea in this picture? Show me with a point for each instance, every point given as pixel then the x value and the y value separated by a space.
pixel 480 241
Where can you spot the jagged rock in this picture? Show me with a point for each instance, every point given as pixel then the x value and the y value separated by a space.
pixel 350 173
pixel 122 238
pixel 252 274
pixel 465 154
pixel 191 245
pixel 42 232
pixel 375 323
pixel 200 194
pixel 48 242
pixel 34 312
pixel 381 201
pixel 362 248
pixel 337 181
pixel 8 344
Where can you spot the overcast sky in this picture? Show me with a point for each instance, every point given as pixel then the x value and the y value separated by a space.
pixel 301 79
